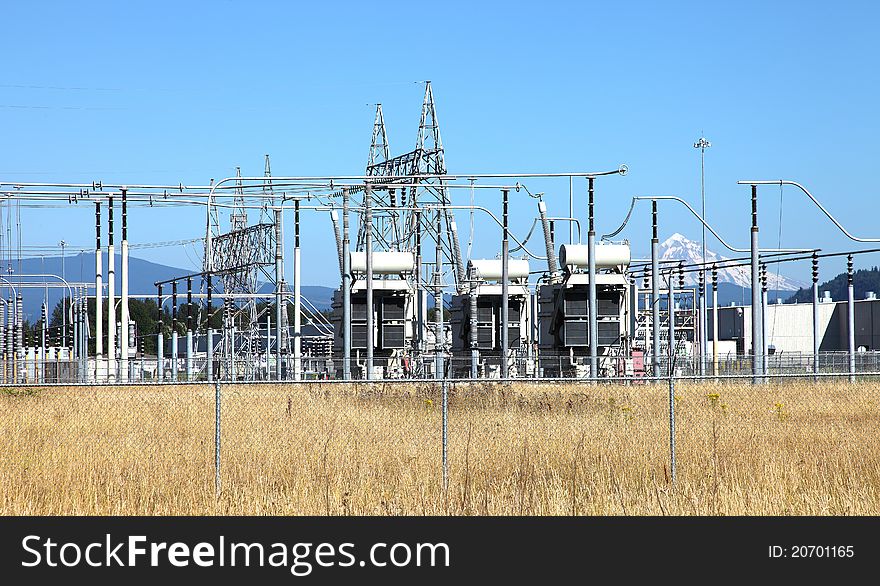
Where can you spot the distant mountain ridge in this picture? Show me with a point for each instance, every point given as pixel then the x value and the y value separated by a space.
pixel 678 247
pixel 81 268
pixel 143 275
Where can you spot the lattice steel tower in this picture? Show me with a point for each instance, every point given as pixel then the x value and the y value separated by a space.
pixel 394 228
pixel 242 255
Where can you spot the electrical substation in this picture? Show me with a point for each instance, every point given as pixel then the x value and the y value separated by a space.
pixel 410 304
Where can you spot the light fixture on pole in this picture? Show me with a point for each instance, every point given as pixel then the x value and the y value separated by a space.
pixel 703 144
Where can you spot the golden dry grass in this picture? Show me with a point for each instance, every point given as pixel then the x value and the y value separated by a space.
pixel 517 449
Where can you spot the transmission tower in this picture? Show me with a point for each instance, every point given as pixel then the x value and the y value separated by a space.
pixel 267 184
pixel 238 218
pixel 379 146
pixel 397 229
pixel 386 217
pixel 241 255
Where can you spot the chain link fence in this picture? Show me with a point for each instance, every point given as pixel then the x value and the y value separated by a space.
pixel 788 445
pixel 61 368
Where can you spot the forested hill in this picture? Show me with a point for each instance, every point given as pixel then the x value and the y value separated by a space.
pixel 864 280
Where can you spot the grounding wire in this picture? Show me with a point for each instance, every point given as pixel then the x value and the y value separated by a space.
pixel 526 239
pixel 623 225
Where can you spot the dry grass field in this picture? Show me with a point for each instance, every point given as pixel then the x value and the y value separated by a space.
pixel 518 449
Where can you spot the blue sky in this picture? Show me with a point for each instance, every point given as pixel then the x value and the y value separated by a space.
pixel 184 92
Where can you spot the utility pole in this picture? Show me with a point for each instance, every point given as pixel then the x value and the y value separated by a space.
pixel 655 291
pixel 505 290
pixel 63 299
pixel 591 292
pixel 346 290
pixel 756 292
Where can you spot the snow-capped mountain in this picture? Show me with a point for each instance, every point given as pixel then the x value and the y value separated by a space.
pixel 677 247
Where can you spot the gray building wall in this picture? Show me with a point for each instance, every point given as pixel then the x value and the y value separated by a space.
pixel 789 326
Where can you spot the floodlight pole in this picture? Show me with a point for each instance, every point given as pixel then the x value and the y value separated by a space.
pixel 703 144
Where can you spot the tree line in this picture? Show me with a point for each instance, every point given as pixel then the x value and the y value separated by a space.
pixel 864 280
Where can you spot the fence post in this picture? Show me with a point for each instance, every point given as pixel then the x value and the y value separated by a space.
pixel 672 425
pixel 217 437
pixel 445 404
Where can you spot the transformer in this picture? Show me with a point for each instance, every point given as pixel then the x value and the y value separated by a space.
pixel 476 322
pixel 564 320
pixel 394 316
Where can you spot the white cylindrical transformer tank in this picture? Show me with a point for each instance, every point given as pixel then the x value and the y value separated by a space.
pixel 384 263
pixel 490 269
pixel 607 255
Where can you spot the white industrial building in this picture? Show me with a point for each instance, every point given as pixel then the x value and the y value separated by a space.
pixel 789 326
